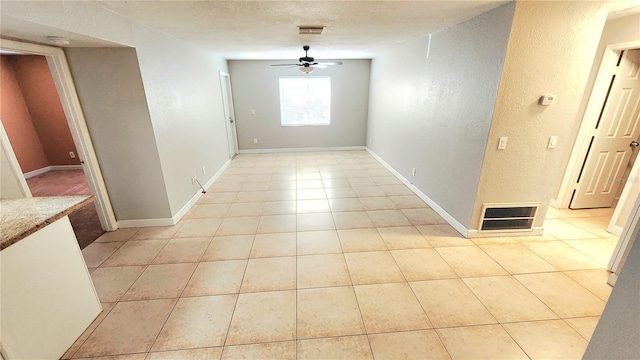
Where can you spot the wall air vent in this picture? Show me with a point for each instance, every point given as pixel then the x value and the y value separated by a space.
pixel 310 30
pixel 508 217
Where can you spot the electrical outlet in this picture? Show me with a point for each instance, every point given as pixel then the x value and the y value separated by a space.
pixel 413 172
pixel 72 154
pixel 204 170
pixel 255 141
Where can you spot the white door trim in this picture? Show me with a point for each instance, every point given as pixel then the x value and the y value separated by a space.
pixel 77 124
pixel 13 162
pixel 591 114
pixel 225 82
pixel 628 236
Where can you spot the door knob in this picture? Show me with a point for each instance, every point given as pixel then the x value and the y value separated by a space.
pixel 232 121
pixel 634 144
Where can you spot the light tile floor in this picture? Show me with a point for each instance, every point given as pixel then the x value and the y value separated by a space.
pixel 327 255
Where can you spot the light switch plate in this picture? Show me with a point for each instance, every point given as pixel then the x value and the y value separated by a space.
pixel 553 142
pixel 502 143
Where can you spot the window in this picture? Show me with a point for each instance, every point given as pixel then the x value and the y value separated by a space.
pixel 305 100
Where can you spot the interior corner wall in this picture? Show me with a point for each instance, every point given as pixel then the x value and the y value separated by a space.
pixel 255 86
pixel 433 114
pixel 182 85
pixel 113 101
pixel 17 121
pixel 42 99
pixel 526 171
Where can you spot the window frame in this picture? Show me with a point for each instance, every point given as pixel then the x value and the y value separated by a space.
pixel 282 108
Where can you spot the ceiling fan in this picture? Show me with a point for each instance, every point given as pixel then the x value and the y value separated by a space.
pixel 307 63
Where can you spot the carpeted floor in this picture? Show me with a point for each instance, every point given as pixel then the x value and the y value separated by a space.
pixel 84 221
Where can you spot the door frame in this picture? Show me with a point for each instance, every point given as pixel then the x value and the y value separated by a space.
pixel 232 130
pixel 77 124
pixel 589 120
pixel 627 238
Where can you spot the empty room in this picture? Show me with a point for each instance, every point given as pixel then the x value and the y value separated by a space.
pixel 321 180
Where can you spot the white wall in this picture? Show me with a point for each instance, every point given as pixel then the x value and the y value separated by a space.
pixel 12 185
pixel 255 86
pixel 110 90
pixel 434 114
pixel 551 47
pixel 618 331
pixel 182 85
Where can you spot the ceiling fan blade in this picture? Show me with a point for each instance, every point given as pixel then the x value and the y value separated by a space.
pixel 285 65
pixel 319 66
pixel 331 63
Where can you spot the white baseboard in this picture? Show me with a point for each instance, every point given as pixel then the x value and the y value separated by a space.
pixel 307 149
pixel 615 230
pixel 613 278
pixel 37 172
pixel 145 222
pixel 553 202
pixel 473 234
pixel 46 169
pixel 183 211
pixel 445 215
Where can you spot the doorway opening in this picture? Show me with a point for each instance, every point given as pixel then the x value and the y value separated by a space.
pixel 602 175
pixel 38 132
pixel 80 170
pixel 227 105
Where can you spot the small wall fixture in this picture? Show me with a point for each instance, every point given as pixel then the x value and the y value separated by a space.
pixel 58 40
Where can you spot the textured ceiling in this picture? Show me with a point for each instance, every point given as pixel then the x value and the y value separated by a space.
pixel 252 29
pixel 247 29
pixel 268 29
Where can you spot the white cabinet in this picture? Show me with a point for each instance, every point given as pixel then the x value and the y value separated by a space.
pixel 47 298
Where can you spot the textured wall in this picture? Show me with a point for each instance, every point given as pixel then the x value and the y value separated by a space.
pixel 255 86
pixel 16 118
pixel 43 101
pixel 114 104
pixel 182 85
pixel 551 48
pixel 434 114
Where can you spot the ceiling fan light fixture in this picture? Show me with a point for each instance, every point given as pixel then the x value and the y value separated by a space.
pixel 310 30
pixel 306 69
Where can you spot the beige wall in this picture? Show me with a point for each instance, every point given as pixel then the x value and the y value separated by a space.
pixel 17 121
pixel 32 114
pixel 551 48
pixel 42 99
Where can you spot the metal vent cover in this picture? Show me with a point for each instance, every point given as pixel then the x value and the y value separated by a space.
pixel 310 30
pixel 508 217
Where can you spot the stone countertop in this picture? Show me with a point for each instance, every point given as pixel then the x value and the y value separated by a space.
pixel 20 218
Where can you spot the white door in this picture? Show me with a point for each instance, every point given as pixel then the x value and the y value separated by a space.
pixel 614 139
pixel 227 104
